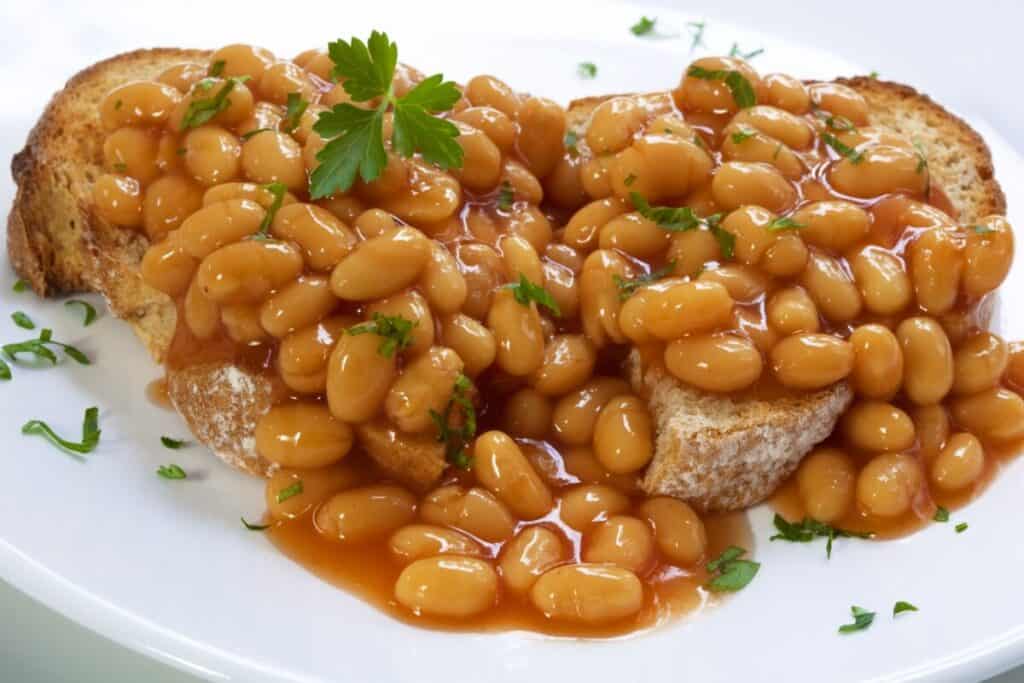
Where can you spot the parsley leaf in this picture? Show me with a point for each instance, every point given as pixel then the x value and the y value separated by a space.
pixel 836 123
pixel 201 111
pixel 289 491
pixel 644 27
pixel 90 312
pixel 571 138
pixel 278 190
pixel 982 230
pixel 216 69
pixel 696 29
pixel 961 527
pixel 627 287
pixel 922 159
pixel 630 179
pixel 903 606
pixel 809 529
pixel 741 136
pixel 842 149
pixel 39 348
pixel 742 92
pixel 90 433
pixel 396 330
pixel 941 514
pixel 525 291
pixel 358 143
pixel 5 370
pixel 254 527
pixel 254 132
pixel 586 70
pixel 171 471
pixel 732 572
pixel 295 107
pixel 22 320
pixel 173 444
pixel 20 286
pixel 784 223
pixel 861 620
pixel 506 196
pixel 735 51
pixel 457 437
pixel 673 219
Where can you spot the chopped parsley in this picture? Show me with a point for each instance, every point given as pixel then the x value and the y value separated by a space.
pixel 630 179
pixel 5 370
pixel 809 529
pixel 982 229
pixel 117 105
pixel 784 223
pixel 171 471
pixel 19 286
pixel 842 149
pixel 941 514
pixel 90 433
pixel 683 219
pixel 922 160
pixel 742 92
pixel 254 527
pixel 861 620
pixel 396 331
pixel 628 286
pixel 525 291
pixel 586 70
pixel 742 135
pixel 203 110
pixel 697 32
pixel 903 606
pixel 961 527
pixel 571 138
pixel 873 75
pixel 834 122
pixel 90 312
pixel 22 320
pixel 278 190
pixel 731 573
pixel 645 26
pixel 735 51
pixel 289 491
pixel 254 132
pixel 295 107
pixel 216 69
pixel 506 196
pixel 355 136
pixel 173 444
pixel 39 348
pixel 457 437
pixel 120 167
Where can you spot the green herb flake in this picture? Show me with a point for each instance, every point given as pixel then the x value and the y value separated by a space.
pixel 254 132
pixel 739 137
pixel 784 223
pixel 731 572
pixel 735 51
pixel 873 75
pixel 571 140
pixel 117 105
pixel 628 286
pixel 834 122
pixel 742 92
pixel 171 471
pixel 842 149
pixel 525 291
pixel 201 111
pixel 20 286
pixel 289 491
pixel 39 348
pixel 941 514
pixel 809 529
pixel 982 230
pixel 5 370
pixel 673 219
pixel 903 606
pixel 396 331
pixel 89 310
pixel 506 196
pixel 22 320
pixel 644 27
pixel 861 620
pixel 278 191
pixel 586 70
pixel 922 159
pixel 630 179
pixel 174 444
pixel 961 527
pixel 216 69
pixel 120 167
pixel 90 433
pixel 696 29
pixel 726 240
pixel 458 435
pixel 295 107
pixel 254 527
pixel 355 136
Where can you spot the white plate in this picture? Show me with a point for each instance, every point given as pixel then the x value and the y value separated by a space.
pixel 166 569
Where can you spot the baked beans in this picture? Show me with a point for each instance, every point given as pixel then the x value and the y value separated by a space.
pixel 416 541
pixel 532 552
pixel 589 593
pixel 361 514
pixel 826 481
pixel 447 586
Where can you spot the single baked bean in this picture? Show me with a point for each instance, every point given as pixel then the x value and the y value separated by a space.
pixel 118 199
pixel 936 265
pixel 500 466
pixel 496 125
pixel 168 202
pixel 251 191
pixel 712 95
pixel 811 361
pixel 931 424
pixel 416 541
pixel 561 283
pixel 243 60
pixel 324 239
pixel 717 363
pixel 302 435
pixel 517 331
pixel 833 224
pixel 995 414
pixel 532 552
pixel 587 593
pixel 274 157
pixel 877 362
pixel 218 225
pixel 527 414
pixel 624 435
pixel 586 504
pixel 247 271
pixel 242 323
pixel 132 152
pixel 831 287
pixel 483 270
pixel 291 493
pixel 826 481
pixel 488 91
pixel 749 224
pixel 201 314
pixel 790 310
pixel 382 265
pixel 739 182
pixel 302 356
pixel 358 377
pixel 928 360
pixel 777 123
pixel 878 426
pixel 882 280
pixel 742 142
pixel 520 259
pixel 745 284
pixel 481 159
pixel 575 414
pixel 300 304
pixel 529 222
pixel 840 100
pixel 423 388
pixel 1015 364
pixel 365 513
pixel 880 170
pixel 979 363
pixel 448 586
pixel 525 186
pixel 889 483
pixel 283 78
pixel 138 103
pixel 959 464
pixel 212 155
pixel 688 307
pixel 678 530
pixel 583 229
pixel 622 541
pixel 167 267
pixel 691 250
pixel 659 167
pixel 541 134
pixel 635 235
pixel 614 123
pixel 987 256
pixel 475 511
pixel 569 361
pixel 472 341
pixel 182 76
pixel 563 186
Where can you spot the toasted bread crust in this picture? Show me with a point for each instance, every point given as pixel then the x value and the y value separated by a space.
pixel 716 452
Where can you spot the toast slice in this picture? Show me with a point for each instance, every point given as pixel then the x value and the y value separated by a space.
pixel 717 452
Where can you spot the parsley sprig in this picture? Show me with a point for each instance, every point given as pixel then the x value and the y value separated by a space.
pixel 842 149
pixel 295 107
pixel 171 471
pixel 90 433
pixel 683 219
pixel 457 437
pixel 90 311
pixel 861 620
pixel 201 111
pixel 643 27
pixel 809 529
pixel 396 331
pixel 40 348
pixel 525 291
pixel 628 286
pixel 741 89
pixel 356 135
pixel 278 191
pixel 732 572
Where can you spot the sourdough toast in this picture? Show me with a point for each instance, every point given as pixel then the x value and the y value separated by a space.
pixel 717 452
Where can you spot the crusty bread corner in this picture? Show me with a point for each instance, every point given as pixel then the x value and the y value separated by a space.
pixel 55 241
